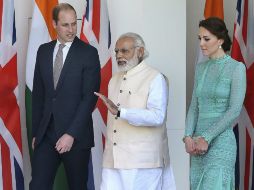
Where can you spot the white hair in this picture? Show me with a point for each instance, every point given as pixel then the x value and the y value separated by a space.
pixel 138 42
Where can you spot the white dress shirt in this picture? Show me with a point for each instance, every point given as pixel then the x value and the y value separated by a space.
pixel 65 50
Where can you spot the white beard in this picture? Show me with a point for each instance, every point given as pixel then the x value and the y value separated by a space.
pixel 133 62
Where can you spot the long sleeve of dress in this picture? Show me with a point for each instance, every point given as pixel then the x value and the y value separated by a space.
pixel 192 115
pixel 237 94
pixel 155 112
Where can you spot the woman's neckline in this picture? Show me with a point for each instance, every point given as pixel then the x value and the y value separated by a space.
pixel 219 58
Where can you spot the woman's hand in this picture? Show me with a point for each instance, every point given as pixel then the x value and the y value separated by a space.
pixel 201 145
pixel 189 145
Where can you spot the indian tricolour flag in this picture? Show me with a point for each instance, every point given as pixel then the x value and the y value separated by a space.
pixel 42 31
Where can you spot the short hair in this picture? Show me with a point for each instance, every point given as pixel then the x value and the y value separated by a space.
pixel 61 7
pixel 218 28
pixel 138 42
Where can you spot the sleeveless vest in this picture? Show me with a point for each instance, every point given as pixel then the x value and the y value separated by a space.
pixel 129 146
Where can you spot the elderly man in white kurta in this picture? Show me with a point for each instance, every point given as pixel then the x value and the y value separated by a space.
pixel 136 152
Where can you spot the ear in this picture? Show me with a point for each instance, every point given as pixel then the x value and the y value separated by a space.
pixel 221 41
pixel 54 24
pixel 141 52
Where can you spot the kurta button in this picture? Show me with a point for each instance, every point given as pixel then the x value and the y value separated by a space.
pixel 114 144
pixel 114 131
pixel 130 92
pixel 124 78
pixel 118 104
pixel 121 91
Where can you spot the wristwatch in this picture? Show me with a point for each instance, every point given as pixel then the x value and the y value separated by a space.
pixel 118 113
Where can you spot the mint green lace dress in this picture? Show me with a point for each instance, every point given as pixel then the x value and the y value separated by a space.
pixel 217 99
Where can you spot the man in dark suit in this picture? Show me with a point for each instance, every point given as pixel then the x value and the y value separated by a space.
pixel 67 72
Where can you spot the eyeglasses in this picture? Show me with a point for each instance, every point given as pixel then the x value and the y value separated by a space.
pixel 124 50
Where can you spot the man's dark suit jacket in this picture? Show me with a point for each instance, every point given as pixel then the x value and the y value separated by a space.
pixel 72 102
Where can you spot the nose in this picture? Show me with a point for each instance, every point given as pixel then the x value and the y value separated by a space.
pixel 119 54
pixel 202 42
pixel 70 28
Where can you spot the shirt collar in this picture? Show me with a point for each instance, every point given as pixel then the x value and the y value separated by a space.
pixel 67 44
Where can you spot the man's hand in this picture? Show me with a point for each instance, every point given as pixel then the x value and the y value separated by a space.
pixel 110 105
pixel 33 142
pixel 64 143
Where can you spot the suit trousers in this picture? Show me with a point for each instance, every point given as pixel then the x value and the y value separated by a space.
pixel 46 160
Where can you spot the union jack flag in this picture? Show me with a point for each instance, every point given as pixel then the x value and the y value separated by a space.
pixel 96 31
pixel 243 50
pixel 11 164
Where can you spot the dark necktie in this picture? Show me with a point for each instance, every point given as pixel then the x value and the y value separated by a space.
pixel 58 65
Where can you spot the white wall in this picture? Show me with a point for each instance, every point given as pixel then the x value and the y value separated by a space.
pixel 162 24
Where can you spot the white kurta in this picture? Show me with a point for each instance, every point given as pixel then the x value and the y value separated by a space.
pixel 153 115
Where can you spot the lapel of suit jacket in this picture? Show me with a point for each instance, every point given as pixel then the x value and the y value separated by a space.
pixel 49 64
pixel 67 62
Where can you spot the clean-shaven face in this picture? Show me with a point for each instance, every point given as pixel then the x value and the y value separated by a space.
pixel 66 26
pixel 209 43
pixel 126 54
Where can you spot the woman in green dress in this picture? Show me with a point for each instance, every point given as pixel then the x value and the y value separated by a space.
pixel 217 99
